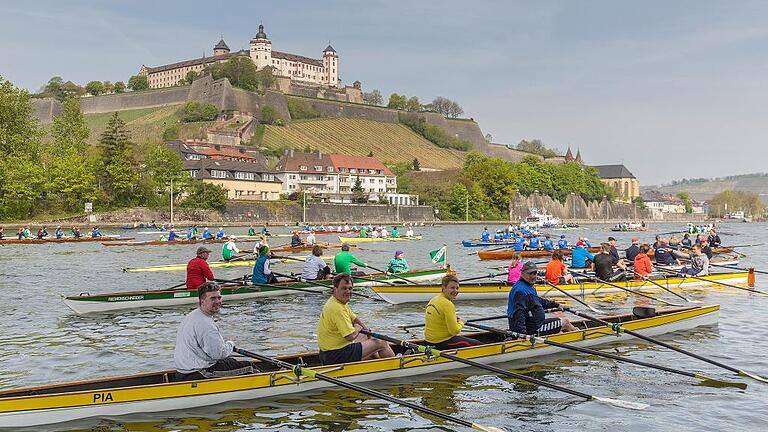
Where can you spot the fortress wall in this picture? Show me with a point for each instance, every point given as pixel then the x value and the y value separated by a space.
pixel 328 108
pixel 134 100
pixel 575 208
pixel 45 109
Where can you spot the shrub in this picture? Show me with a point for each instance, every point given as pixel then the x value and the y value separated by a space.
pixel 433 133
pixel 195 111
pixel 269 115
pixel 300 109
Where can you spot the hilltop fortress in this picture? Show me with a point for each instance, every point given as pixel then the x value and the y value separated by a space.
pixel 303 70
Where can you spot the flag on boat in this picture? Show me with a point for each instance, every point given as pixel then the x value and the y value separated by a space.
pixel 438 255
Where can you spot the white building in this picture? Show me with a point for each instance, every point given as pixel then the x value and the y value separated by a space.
pixel 323 71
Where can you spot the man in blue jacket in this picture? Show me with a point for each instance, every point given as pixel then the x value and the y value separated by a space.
pixel 580 256
pixel 525 309
pixel 548 245
pixel 562 243
pixel 485 236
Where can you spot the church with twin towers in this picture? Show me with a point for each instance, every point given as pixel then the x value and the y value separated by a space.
pixel 319 72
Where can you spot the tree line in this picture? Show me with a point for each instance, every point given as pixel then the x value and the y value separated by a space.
pixel 56 171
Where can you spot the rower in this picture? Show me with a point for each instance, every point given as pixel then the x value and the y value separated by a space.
pixel 497 236
pixel 515 268
pixel 557 272
pixel 95 232
pixel 262 241
pixel 40 233
pixel 613 252
pixel 519 244
pixel 20 234
pixel 2 233
pixel 603 265
pixel 643 267
pixel 59 232
pixel 714 239
pixel 375 233
pixel 395 232
pixel 262 272
pixel 562 243
pixel 311 238
pixel 525 309
pixel 190 234
pixel 581 256
pixel 230 249
pixel 76 232
pixel 207 234
pixel 346 227
pixel 338 330
pixel 220 233
pixel 172 236
pixel 486 235
pixel 251 231
pixel 686 242
pixel 265 231
pixel 533 243
pixel 200 350
pixel 586 242
pixel 27 233
pixel 384 232
pixel 548 245
pixel 674 242
pixel 296 240
pixel 198 270
pixel 706 248
pixel 632 251
pixel 193 230
pixel 441 325
pixel 315 267
pixel 343 261
pixel 663 254
pixel 409 232
pixel 363 232
pixel 398 264
pixel 699 262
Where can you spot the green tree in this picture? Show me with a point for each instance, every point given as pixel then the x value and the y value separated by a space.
pixel 432 133
pixel 191 75
pixel 413 104
pixel 416 164
pixel 69 128
pixel 536 147
pixel 95 88
pixel 639 202
pixel 119 87
pixel 138 82
pixel 269 115
pixel 108 87
pixel 686 201
pixel 19 130
pixel 117 158
pixel 239 70
pixel 205 195
pixel 72 178
pixel 397 101
pixel 300 109
pixel 373 98
pixel 195 111
pixel 21 182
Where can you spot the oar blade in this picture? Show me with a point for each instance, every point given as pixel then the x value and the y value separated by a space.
pixel 716 383
pixel 753 376
pixel 486 428
pixel 622 403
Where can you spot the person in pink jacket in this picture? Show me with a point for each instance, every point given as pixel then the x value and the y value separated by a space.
pixel 515 269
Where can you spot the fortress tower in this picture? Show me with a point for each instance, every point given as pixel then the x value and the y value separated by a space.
pixel 331 66
pixel 221 48
pixel 261 49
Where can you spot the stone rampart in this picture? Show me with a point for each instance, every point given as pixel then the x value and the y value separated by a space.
pixel 576 208
pixel 45 109
pixel 134 100
pixel 291 212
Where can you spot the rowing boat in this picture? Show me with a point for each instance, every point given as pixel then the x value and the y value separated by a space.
pixel 480 243
pixel 355 240
pixel 307 247
pixel 91 303
pixel 64 240
pixel 179 242
pixel 325 232
pixel 212 264
pixel 156 391
pixel 507 254
pixel 397 293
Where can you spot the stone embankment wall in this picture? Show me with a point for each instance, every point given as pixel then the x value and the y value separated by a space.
pixel 576 208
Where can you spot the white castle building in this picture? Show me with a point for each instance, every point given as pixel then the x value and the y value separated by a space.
pixel 323 72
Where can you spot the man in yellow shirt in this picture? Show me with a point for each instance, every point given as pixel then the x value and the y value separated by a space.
pixel 442 327
pixel 338 331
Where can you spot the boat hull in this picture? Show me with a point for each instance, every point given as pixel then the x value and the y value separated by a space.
pixel 86 303
pixel 356 240
pixel 399 294
pixel 507 253
pixel 43 405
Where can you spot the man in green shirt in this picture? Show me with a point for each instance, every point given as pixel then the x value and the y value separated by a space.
pixel 363 232
pixel 343 261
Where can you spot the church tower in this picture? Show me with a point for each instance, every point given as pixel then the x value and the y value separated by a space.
pixel 221 48
pixel 331 65
pixel 261 49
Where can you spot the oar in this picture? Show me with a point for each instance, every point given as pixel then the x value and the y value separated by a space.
pixel 492 249
pixel 310 282
pixel 686 276
pixel 300 371
pixel 595 278
pixel 712 382
pixel 242 257
pixel 737 268
pixel 574 298
pixel 392 274
pixel 647 279
pixel 619 329
pixel 430 351
pixel 173 287
pixel 406 327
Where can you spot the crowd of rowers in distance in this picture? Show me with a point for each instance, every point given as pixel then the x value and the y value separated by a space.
pixel 609 266
pixel 24 233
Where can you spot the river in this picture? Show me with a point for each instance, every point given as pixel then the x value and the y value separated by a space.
pixel 44 342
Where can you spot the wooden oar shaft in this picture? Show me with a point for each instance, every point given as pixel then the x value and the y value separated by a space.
pixel 393 274
pixel 737 268
pixel 567 294
pixel 631 291
pixel 647 279
pixel 684 276
pixel 535 339
pixel 321 285
pixel 619 329
pixel 476 319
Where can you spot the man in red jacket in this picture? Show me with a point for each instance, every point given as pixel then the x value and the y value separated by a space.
pixel 198 271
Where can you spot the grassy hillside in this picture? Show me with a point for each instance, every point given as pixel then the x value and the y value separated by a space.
pixel 389 142
pixel 146 124
pixel 703 189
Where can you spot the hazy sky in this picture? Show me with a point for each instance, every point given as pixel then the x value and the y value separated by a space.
pixel 670 89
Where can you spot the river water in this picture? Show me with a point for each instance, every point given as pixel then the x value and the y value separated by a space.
pixel 44 342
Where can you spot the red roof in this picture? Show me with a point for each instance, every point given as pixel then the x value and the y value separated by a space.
pixel 292 161
pixel 359 162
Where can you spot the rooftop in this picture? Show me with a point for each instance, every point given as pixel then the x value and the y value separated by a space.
pixel 613 171
pixel 292 161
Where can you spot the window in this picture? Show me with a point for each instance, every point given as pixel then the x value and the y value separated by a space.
pixel 303 177
pixel 292 177
pixel 218 174
pixel 330 169
pixel 371 180
pixel 318 168
pixel 193 173
pixel 291 186
pixel 303 168
pixel 353 171
pixel 268 177
pixel 381 181
pixel 244 175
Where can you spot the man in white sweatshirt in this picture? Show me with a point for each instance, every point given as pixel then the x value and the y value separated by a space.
pixel 200 350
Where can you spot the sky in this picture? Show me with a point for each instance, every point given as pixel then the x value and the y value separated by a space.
pixel 670 89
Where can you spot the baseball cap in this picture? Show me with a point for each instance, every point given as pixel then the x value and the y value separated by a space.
pixel 579 243
pixel 529 267
pixel 611 238
pixel 398 252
